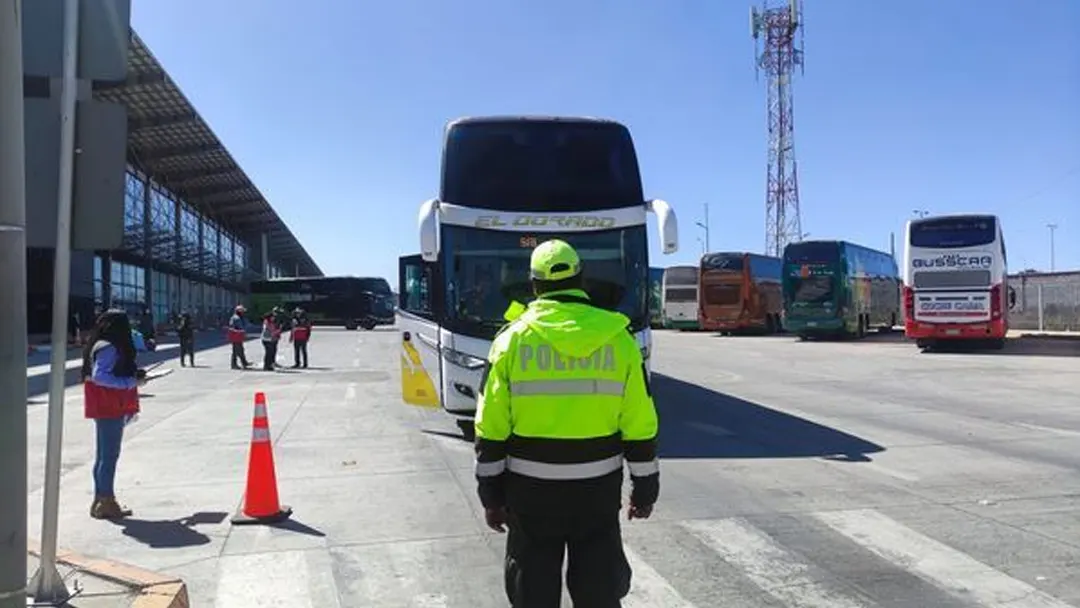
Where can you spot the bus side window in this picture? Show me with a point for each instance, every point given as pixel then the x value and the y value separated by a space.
pixel 415 294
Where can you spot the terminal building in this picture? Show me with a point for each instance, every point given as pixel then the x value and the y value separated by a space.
pixel 197 230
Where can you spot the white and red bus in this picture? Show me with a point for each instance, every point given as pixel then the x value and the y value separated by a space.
pixel 955 280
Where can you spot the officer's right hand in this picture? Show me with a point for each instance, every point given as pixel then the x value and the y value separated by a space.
pixel 639 512
pixel 496 519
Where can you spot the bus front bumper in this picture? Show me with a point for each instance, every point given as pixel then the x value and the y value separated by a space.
pixel 982 330
pixel 814 325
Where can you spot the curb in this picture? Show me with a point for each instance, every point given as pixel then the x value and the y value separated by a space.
pixel 154 590
pixel 1054 337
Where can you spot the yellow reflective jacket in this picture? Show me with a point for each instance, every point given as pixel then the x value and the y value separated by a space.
pixel 564 402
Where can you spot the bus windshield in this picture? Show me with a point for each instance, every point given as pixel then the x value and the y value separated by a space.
pixel 722 261
pixel 953 232
pixel 557 166
pixel 486 270
pixel 812 289
pixel 681 275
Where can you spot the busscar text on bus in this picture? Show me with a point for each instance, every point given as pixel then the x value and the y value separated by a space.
pixel 956 281
pixel 508 184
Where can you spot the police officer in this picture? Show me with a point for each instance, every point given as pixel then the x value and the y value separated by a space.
pixel 564 402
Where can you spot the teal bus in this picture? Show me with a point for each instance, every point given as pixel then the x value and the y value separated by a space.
pixel 840 289
pixel 656 288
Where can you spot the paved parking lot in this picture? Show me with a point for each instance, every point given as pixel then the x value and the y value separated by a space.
pixel 812 474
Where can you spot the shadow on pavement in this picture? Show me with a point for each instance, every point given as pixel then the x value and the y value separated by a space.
pixel 1028 347
pixel 698 422
pixel 291 525
pixel 38 384
pixel 448 434
pixel 170 533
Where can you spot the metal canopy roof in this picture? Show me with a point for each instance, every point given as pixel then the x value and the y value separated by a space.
pixel 170 142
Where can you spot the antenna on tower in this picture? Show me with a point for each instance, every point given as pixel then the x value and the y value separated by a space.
pixel 780 52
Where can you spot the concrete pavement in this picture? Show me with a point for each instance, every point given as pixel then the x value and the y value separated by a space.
pixel 812 474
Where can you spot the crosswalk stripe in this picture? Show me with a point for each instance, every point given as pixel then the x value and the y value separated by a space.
pixel 955 571
pixel 777 571
pixel 648 588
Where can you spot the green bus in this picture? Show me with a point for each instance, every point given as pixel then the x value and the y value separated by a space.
pixel 348 301
pixel 839 289
pixel 656 290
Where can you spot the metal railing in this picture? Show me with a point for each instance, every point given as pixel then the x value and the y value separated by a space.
pixel 1046 304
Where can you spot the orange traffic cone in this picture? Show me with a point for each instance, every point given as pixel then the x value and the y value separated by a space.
pixel 261 496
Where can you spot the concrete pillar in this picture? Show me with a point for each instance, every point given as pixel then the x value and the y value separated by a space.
pixel 266 255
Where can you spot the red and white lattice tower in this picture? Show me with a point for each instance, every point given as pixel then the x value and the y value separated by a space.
pixel 780 31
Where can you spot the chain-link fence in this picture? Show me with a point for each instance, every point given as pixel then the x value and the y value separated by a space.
pixel 1046 301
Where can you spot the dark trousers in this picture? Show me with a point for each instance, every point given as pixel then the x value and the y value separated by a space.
pixel 238 356
pixel 187 349
pixel 110 434
pixel 300 352
pixel 597 576
pixel 270 354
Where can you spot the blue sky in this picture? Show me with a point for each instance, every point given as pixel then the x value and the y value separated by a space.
pixel 336 110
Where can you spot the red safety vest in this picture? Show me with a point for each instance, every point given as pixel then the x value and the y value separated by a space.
pixel 105 402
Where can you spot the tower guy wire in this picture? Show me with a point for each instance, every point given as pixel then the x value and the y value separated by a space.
pixel 780 31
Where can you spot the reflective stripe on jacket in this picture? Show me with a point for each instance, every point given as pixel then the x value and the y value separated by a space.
pixel 565 402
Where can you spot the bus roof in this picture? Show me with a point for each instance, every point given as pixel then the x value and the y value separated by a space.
pixel 838 242
pixel 480 120
pixel 951 216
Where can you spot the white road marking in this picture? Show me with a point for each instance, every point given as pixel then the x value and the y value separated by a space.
pixel 431 600
pixel 356 362
pixel 1048 429
pixel 269 580
pixel 70 364
pixel 877 468
pixel 648 588
pixel 350 392
pixel 942 565
pixel 777 571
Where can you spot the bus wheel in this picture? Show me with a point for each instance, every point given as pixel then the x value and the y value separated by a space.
pixel 997 344
pixel 350 326
pixel 368 325
pixel 923 344
pixel 468 430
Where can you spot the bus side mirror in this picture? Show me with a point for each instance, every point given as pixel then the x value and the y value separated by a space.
pixel 1012 298
pixel 669 226
pixel 428 223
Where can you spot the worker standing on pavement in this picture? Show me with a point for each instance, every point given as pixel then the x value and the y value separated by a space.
pixel 564 401
pixel 185 330
pixel 300 334
pixel 237 334
pixel 271 334
pixel 111 400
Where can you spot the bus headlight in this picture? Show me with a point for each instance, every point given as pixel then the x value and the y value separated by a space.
pixel 461 359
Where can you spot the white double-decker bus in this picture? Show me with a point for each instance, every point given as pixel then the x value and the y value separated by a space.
pixel 679 297
pixel 955 280
pixel 507 185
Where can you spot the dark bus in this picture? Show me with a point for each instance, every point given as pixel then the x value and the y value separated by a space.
pixel 836 288
pixel 348 301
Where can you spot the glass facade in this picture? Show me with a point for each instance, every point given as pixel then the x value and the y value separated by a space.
pixel 173 259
